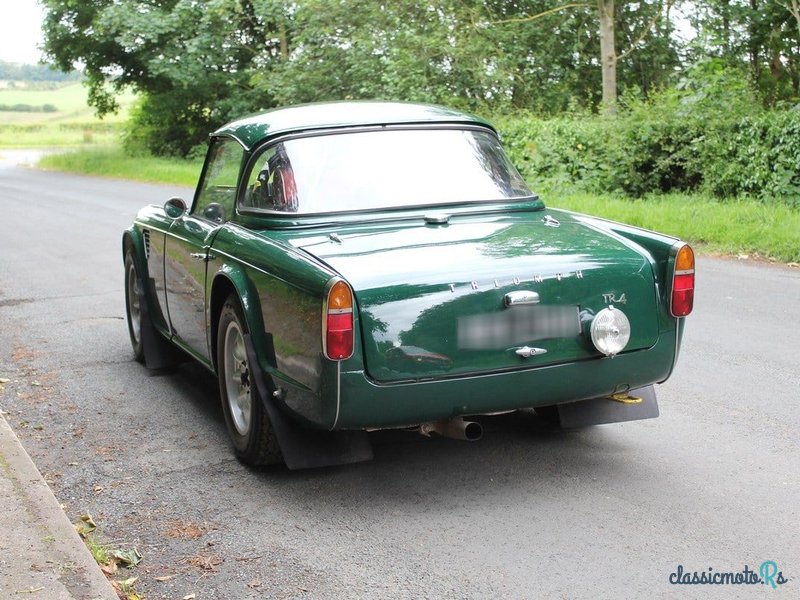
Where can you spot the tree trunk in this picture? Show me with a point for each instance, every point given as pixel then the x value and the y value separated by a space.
pixel 794 8
pixel 755 54
pixel 726 27
pixel 608 55
pixel 284 38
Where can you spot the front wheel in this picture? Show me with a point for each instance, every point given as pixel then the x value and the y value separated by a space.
pixel 248 425
pixel 133 306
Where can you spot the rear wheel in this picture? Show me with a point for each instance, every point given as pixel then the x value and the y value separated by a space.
pixel 133 307
pixel 248 425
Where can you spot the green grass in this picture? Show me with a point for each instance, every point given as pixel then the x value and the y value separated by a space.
pixel 112 162
pixel 98 550
pixel 744 226
pixel 770 230
pixel 73 124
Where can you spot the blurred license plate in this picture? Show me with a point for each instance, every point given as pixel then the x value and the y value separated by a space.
pixel 517 325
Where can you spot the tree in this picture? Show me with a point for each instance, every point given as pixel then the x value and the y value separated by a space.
pixel 192 61
pixel 198 64
pixel 760 36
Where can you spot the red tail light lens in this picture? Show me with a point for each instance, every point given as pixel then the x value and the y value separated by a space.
pixel 338 322
pixel 683 282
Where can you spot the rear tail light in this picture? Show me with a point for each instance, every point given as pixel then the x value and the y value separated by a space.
pixel 337 322
pixel 682 298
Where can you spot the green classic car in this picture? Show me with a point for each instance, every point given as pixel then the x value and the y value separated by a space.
pixel 353 266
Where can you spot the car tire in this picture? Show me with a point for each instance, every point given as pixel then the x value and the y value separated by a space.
pixel 249 427
pixel 133 307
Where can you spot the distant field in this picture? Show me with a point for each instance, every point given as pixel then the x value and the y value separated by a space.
pixel 72 124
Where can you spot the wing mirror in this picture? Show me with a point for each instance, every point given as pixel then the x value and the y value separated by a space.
pixel 175 207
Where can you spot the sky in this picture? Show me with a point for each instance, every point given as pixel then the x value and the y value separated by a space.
pixel 20 31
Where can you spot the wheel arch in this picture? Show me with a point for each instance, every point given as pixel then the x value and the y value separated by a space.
pixel 132 238
pixel 231 279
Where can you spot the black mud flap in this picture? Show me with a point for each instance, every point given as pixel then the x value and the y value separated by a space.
pixel 159 353
pixel 306 448
pixel 598 411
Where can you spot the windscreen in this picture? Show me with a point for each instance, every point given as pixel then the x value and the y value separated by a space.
pixel 388 168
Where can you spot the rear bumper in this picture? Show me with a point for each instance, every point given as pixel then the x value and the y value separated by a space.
pixel 367 404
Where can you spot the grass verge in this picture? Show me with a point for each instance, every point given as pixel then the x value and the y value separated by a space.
pixel 746 226
pixel 113 162
pixel 742 226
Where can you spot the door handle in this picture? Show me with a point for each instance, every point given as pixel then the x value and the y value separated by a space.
pixel 202 256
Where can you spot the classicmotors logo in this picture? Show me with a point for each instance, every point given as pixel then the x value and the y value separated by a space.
pixel 767 574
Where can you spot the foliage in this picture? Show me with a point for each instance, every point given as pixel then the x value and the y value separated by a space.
pixel 757 156
pixel 198 65
pixel 708 136
pixel 759 35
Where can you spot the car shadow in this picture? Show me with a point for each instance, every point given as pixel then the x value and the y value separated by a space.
pixel 515 447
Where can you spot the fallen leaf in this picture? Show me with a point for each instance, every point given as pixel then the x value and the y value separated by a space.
pixel 188 530
pixel 4 380
pixel 110 568
pixel 254 583
pixel 129 581
pixel 207 563
pixel 86 525
pixel 164 577
pixel 35 383
pixel 98 489
pixel 128 558
pixel 190 597
pixel 743 256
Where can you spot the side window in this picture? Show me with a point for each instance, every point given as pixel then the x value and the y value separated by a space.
pixel 271 184
pixel 218 190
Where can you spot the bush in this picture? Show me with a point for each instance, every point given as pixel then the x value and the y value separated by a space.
pixel 655 152
pixel 706 135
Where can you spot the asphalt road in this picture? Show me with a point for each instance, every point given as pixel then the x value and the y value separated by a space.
pixel 527 512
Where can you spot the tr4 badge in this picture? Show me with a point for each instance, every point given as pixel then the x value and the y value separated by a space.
pixel 612 299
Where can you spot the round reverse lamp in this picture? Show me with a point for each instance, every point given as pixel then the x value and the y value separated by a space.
pixel 610 331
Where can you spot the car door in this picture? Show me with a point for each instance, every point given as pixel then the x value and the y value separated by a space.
pixel 188 242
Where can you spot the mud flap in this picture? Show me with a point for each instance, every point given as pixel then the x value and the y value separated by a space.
pixel 305 448
pixel 598 411
pixel 158 352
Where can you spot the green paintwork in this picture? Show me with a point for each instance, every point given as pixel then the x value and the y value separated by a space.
pixel 403 272
pixel 253 129
pixel 413 282
pixel 366 403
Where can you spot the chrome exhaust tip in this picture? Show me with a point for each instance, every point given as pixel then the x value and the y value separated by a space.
pixel 457 429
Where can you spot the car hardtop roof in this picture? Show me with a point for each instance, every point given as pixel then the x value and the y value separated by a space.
pixel 252 129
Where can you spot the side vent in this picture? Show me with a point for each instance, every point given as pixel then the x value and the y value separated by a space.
pixel 146 236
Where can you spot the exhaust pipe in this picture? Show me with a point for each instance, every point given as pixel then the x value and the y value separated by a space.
pixel 457 428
